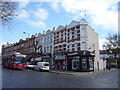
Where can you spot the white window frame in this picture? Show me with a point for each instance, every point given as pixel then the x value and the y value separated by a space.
pixel 75 46
pixel 84 46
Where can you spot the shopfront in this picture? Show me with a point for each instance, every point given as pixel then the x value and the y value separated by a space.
pixel 59 62
pixel 80 61
pixel 47 58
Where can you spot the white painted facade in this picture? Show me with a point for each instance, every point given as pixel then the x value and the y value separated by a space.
pixel 45 40
pixel 89 40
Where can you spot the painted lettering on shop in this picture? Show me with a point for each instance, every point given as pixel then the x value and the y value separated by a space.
pixel 72 54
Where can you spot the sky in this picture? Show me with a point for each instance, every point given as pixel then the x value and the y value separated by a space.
pixel 41 15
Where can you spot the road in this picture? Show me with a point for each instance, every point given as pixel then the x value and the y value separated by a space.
pixel 36 79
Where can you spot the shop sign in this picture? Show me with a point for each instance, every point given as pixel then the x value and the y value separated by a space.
pixel 70 54
pixel 59 57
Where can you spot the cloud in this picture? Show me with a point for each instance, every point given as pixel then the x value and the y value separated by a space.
pixel 101 43
pixel 38 23
pixel 23 14
pixel 55 6
pixel 103 13
pixel 41 14
pixel 34 18
pixel 38 18
pixel 23 3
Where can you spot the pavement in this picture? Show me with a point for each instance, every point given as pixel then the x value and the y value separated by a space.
pixel 87 74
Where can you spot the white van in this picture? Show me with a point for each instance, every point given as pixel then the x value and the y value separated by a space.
pixel 41 66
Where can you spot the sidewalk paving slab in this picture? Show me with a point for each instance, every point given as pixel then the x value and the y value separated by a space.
pixel 87 74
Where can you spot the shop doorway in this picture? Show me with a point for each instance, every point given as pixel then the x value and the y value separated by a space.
pixel 84 64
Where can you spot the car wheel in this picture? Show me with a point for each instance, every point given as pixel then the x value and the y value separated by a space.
pixel 39 69
pixel 33 68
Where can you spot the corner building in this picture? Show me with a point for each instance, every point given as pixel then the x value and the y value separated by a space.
pixel 76 47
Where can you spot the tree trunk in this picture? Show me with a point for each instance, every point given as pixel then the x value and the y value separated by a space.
pixel 34 57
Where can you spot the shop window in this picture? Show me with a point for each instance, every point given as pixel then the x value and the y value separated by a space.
pixel 75 64
pixel 90 65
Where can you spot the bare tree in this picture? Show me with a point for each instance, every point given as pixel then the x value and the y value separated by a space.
pixel 112 45
pixel 7 12
pixel 36 47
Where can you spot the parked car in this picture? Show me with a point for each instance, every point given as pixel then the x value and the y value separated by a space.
pixel 41 66
pixel 29 65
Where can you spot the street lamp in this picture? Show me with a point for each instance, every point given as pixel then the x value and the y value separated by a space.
pixel 27 34
pixel 92 49
pixel 28 39
pixel 104 58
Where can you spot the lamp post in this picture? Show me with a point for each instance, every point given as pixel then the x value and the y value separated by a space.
pixel 28 39
pixel 104 59
pixel 27 34
pixel 92 49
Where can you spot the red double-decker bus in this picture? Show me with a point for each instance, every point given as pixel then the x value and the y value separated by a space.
pixel 14 61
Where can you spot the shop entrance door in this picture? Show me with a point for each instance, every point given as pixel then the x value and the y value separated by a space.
pixel 84 64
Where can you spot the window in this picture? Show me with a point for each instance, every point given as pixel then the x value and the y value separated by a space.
pixel 70 35
pixel 75 46
pixel 44 40
pixel 44 49
pixel 64 35
pixel 83 27
pixel 75 35
pixel 50 48
pixel 47 39
pixel 60 36
pixel 83 33
pixel 47 48
pixel 51 38
pixel 70 47
pixel 83 45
